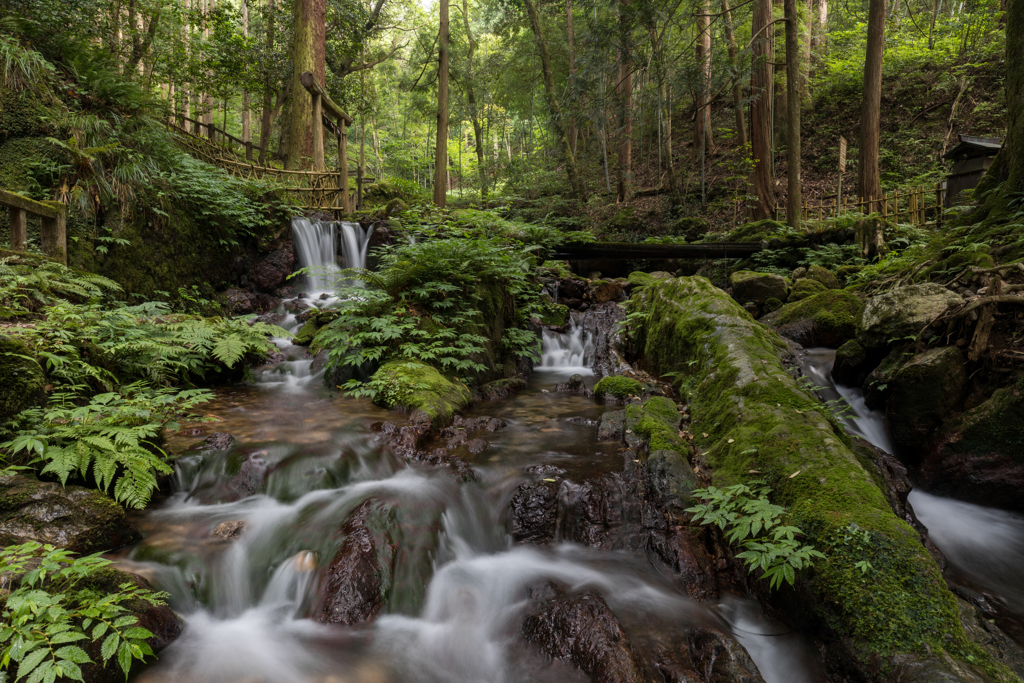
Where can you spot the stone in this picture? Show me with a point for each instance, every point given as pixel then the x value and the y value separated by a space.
pixel 228 531
pixel 22 382
pixel 502 388
pixel 612 425
pixel 248 480
pixel 601 323
pixel 395 207
pixel 922 392
pixel 82 520
pixel 271 271
pixel 823 276
pixel 902 312
pixel 219 441
pixel 582 630
pixel 239 301
pixel 805 288
pixel 575 385
pixel 533 512
pixel 421 389
pixel 750 287
pixel 603 291
pixel 825 319
pixel 360 576
pixel 851 366
pixel 618 387
pixel 800 272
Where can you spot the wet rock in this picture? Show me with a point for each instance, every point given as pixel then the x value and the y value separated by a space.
pixel 823 276
pixel 247 481
pixel 286 292
pixel 1001 648
pixel 575 385
pixel 923 391
pixel 672 480
pixel 852 364
pixel 406 441
pixel 720 658
pixel 502 388
pixel 582 629
pixel 601 322
pixel 571 288
pixel 750 287
pixel 219 441
pixel 239 301
pixel 272 270
pixel 603 291
pixel 432 398
pixel 229 531
pixel 533 512
pixel 902 312
pixel 477 446
pixel 476 424
pixel 297 305
pixel 585 421
pixel 356 584
pixel 265 303
pixel 79 519
pixel 21 378
pixel 978 456
pixel 613 425
pixel 826 319
pixel 753 309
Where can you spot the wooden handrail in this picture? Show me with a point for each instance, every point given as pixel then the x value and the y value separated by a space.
pixel 310 83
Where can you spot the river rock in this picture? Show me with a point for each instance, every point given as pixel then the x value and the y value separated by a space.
pixel 228 531
pixel 613 424
pixel 978 456
pixel 750 287
pixel 247 481
pixel 823 276
pixel 582 629
pixel 219 441
pixel 533 512
pixel 575 385
pixel 902 312
pixel 923 391
pixel 502 388
pixel 603 291
pixel 272 270
pixel 805 288
pixel 721 657
pixel 21 378
pixel 851 366
pixel 359 578
pixel 240 301
pixel 79 519
pixel 601 322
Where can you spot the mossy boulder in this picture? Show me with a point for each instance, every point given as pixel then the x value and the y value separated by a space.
pixel 752 287
pixel 656 421
pixel 978 456
pixel 79 519
pixel 804 288
pixel 850 367
pixel 772 304
pixel 902 312
pixel 305 335
pixel 828 318
pixel 603 291
pixel 395 207
pixel 757 417
pixel 689 228
pixel 758 231
pixel 21 378
pixel 554 315
pixel 419 388
pixel 640 279
pixel 618 386
pixel 824 276
pixel 922 392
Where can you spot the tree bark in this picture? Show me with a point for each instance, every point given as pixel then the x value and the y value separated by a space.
pixel 266 115
pixel 571 35
pixel 805 52
pixel 474 112
pixel 441 151
pixel 737 89
pixel 868 182
pixel 575 182
pixel 760 112
pixel 702 129
pixel 624 90
pixel 307 55
pixel 793 70
pixel 246 116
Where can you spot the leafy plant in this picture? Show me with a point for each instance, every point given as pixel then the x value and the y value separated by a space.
pixel 54 611
pixel 750 520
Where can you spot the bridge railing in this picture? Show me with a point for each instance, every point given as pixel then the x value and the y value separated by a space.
pixel 918 205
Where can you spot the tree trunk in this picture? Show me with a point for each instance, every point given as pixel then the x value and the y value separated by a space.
pixel 1008 166
pixel 805 52
pixel 737 89
pixel 246 117
pixel 307 55
pixel 441 151
pixel 575 182
pixel 702 130
pixel 571 35
pixel 760 112
pixel 474 112
pixel 793 70
pixel 624 171
pixel 868 184
pixel 819 28
pixel 266 116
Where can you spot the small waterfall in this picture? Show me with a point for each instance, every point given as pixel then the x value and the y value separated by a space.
pixel 355 242
pixel 572 350
pixel 315 247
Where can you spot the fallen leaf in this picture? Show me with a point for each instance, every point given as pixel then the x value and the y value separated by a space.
pixel 754 472
pixel 799 411
pixel 629 431
pixel 704 434
pixel 795 473
pixel 764 362
pixel 730 440
pixel 635 460
pixel 549 480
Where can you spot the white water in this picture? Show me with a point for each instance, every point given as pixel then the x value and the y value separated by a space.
pixel 316 246
pixel 571 351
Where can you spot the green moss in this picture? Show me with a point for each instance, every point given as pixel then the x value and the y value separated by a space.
pixel 805 288
pixel 757 418
pixel 995 427
pixel 640 279
pixel 554 314
pixel 758 231
pixel 21 378
pixel 422 389
pixel 844 272
pixel 17 158
pixel 772 304
pixel 851 352
pixel 824 276
pixel 618 386
pixel 834 311
pixel 305 335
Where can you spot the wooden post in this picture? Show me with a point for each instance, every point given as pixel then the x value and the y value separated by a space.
pixel 343 166
pixel 318 134
pixel 885 206
pixel 54 237
pixel 248 150
pixel 938 203
pixel 19 233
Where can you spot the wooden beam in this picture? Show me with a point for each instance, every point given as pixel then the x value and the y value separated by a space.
pixel 47 209
pixel 19 233
pixel 54 238
pixel 629 250
pixel 343 166
pixel 329 106
pixel 318 134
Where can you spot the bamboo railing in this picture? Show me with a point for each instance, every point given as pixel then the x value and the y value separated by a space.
pixel 919 205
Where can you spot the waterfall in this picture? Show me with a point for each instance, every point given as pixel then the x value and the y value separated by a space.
pixel 316 248
pixel 355 242
pixel 572 350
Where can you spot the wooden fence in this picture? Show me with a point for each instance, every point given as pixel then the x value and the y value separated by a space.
pixel 919 205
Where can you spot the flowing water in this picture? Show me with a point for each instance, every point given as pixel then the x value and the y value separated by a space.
pixel 569 352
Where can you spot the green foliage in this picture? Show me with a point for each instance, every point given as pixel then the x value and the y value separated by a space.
pixel 750 520
pixel 54 612
pixel 28 283
pixel 110 439
pixel 23 68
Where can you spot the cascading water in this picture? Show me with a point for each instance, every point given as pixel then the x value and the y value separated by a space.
pixel 316 249
pixel 571 351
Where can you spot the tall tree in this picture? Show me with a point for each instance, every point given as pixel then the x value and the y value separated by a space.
pixel 570 34
pixel 1008 166
pixel 761 84
pixel 702 131
pixel 474 110
pixel 737 89
pixel 441 151
pixel 869 185
pixel 307 55
pixel 793 86
pixel 557 121
pixel 624 90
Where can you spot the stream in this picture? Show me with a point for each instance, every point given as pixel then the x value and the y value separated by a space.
pixel 244 543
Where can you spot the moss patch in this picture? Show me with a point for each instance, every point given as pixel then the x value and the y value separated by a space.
pixel 833 311
pixel 21 378
pixel 657 422
pixel 758 231
pixel 757 418
pixel 804 288
pixel 421 389
pixel 618 386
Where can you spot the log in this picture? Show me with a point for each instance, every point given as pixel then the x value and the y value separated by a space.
pixel 46 209
pixel 329 106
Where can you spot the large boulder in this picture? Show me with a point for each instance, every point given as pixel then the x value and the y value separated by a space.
pixel 923 391
pixel 21 378
pixel 804 288
pixel 79 519
pixel 750 287
pixel 979 455
pixel 823 276
pixel 272 270
pixel 902 312
pixel 851 366
pixel 240 301
pixel 421 389
pixel 825 319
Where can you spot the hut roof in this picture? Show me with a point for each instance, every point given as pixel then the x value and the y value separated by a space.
pixel 971 147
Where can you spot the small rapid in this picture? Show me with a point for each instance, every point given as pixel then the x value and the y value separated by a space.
pixel 570 352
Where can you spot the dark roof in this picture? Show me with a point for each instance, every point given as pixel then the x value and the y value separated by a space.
pixel 974 147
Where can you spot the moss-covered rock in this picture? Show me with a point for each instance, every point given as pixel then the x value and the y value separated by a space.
pixel 21 378
pixel 413 386
pixel 844 273
pixel 305 335
pixel 772 304
pixel 640 279
pixel 554 314
pixel 850 367
pixel 923 391
pixel 805 288
pixel 656 421
pixel 902 312
pixel 395 207
pixel 689 228
pixel 828 318
pixel 757 418
pixel 824 276
pixel 618 386
pixel 758 231
pixel 752 287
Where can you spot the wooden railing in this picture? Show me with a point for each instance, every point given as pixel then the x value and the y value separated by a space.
pixel 920 206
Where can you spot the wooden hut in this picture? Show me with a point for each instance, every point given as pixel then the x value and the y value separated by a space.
pixel 971 158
